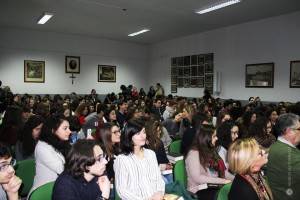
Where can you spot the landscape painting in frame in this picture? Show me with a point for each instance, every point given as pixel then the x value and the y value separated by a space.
pixel 295 74
pixel 34 71
pixel 260 75
pixel 106 73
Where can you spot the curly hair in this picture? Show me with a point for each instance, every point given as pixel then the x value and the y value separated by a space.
pixel 153 136
pixel 47 135
pixel 80 157
pixel 224 134
pixel 28 142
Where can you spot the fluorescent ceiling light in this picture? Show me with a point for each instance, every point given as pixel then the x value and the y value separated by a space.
pixel 215 6
pixel 139 32
pixel 44 18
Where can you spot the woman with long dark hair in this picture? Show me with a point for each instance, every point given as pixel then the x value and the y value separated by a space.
pixel 50 150
pixel 25 146
pixel 204 165
pixel 110 137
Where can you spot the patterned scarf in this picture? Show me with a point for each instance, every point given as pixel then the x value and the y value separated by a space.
pixel 215 162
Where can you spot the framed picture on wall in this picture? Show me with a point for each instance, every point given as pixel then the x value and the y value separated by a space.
pixel 106 73
pixel 180 82
pixel 201 70
pixel 173 71
pixel 186 82
pixel 174 62
pixel 173 88
pixel 295 74
pixel 194 60
pixel 209 68
pixel 201 59
pixel 187 71
pixel 180 71
pixel 200 82
pixel 259 75
pixel 173 79
pixel 209 58
pixel 180 61
pixel 187 60
pixel 34 71
pixel 194 71
pixel 209 78
pixel 193 82
pixel 72 64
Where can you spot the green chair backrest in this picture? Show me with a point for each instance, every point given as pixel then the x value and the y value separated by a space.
pixel 25 170
pixel 179 173
pixel 116 193
pixel 223 193
pixel 43 192
pixel 175 146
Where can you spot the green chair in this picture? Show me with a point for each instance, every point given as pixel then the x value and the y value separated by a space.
pixel 116 193
pixel 25 169
pixel 43 192
pixel 223 193
pixel 179 173
pixel 175 146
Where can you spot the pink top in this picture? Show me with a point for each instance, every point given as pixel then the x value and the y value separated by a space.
pixel 196 174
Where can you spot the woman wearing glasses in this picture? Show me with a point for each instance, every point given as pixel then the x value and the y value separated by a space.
pixel 136 170
pixel 245 158
pixel 227 132
pixel 83 175
pixel 110 137
pixel 9 182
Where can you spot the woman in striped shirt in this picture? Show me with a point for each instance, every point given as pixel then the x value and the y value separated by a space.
pixel 137 174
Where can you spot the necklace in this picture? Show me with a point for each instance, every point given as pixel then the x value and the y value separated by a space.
pixel 259 186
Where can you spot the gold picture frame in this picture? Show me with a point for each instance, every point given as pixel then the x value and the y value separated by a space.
pixel 34 71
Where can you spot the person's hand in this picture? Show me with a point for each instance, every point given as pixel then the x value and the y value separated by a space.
pixel 163 166
pixel 157 196
pixel 169 166
pixel 12 187
pixel 104 185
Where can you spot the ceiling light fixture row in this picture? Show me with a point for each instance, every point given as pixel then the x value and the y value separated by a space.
pixel 139 32
pixel 215 6
pixel 44 18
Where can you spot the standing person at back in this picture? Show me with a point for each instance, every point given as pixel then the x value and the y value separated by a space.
pixel 160 92
pixel 122 109
pixel 283 170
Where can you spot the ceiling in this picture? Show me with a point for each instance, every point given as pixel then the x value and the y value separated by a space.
pixel 115 19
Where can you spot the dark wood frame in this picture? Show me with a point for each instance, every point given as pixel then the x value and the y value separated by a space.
pixel 31 68
pixel 209 78
pixel 173 88
pixel 174 80
pixel 209 68
pixel 107 77
pixel 70 61
pixel 295 74
pixel 263 71
pixel 200 82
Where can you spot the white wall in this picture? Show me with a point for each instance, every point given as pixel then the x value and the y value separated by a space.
pixel 274 39
pixel 17 45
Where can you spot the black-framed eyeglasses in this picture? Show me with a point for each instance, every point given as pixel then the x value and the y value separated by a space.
pixel 117 131
pixel 100 158
pixel 5 166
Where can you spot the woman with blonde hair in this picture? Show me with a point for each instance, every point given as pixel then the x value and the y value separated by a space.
pixel 245 158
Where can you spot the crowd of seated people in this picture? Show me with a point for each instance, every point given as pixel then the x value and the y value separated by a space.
pixel 46 129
